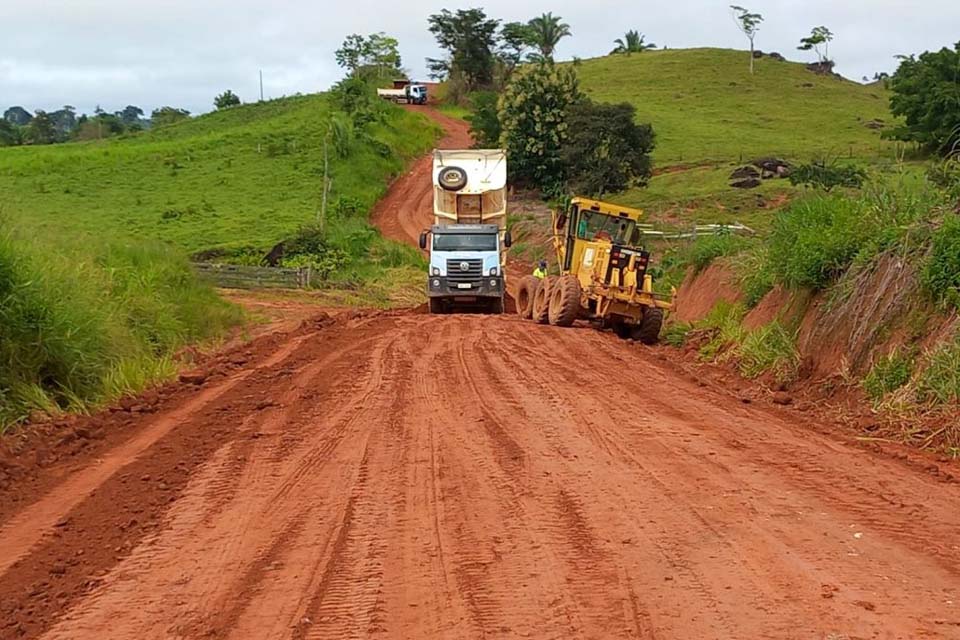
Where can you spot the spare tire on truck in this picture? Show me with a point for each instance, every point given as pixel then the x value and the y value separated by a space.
pixel 452 178
pixel 565 301
pixel 526 291
pixel 648 331
pixel 541 301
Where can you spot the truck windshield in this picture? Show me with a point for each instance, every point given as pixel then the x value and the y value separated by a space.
pixel 464 242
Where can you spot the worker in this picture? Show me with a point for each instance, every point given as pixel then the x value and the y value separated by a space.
pixel 541 270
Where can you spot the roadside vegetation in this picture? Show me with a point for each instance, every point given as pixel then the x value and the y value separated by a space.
pixel 86 319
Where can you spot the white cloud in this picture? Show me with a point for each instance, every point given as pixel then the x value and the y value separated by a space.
pixel 182 53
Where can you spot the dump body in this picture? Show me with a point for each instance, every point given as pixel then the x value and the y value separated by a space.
pixel 600 245
pixel 468 240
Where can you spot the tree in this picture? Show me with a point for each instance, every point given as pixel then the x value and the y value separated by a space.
pixel 515 39
pixel 484 121
pixel 819 36
pixel 10 134
pixel 41 129
pixel 168 115
pixel 18 116
pixel 352 53
pixel 470 40
pixel 533 116
pixel 545 31
pixel 130 115
pixel 606 150
pixel 632 42
pixel 64 121
pixel 226 100
pixel 926 96
pixel 749 24
pixel 383 55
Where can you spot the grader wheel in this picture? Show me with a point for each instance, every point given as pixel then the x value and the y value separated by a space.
pixel 565 302
pixel 525 295
pixel 648 331
pixel 541 301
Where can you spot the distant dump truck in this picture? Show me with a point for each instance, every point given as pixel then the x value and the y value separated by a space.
pixel 469 239
pixel 410 93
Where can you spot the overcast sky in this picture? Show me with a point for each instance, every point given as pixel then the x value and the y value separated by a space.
pixel 183 52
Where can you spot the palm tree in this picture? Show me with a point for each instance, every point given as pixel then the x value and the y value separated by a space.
pixel 632 42
pixel 545 32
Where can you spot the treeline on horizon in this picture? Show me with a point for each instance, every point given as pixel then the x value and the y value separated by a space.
pixel 20 127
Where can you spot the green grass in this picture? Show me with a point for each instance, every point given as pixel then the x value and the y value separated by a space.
pixel 85 319
pixel 889 373
pixel 711 116
pixel 244 177
pixel 770 349
pixel 705 105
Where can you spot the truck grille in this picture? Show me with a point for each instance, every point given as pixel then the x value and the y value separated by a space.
pixel 456 273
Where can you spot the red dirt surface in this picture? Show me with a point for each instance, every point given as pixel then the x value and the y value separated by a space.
pixel 402 475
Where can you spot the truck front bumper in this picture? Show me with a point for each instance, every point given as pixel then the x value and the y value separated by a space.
pixel 486 287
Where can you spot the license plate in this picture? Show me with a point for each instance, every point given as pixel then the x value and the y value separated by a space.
pixel 464 285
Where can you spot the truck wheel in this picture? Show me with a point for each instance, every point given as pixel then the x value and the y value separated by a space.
pixel 437 307
pixel 496 306
pixel 565 301
pixel 541 301
pixel 525 295
pixel 648 331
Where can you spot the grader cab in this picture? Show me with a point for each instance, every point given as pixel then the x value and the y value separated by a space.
pixel 603 274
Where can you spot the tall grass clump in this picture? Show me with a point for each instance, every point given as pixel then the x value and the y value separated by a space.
pixel 941 273
pixel 84 320
pixel 816 239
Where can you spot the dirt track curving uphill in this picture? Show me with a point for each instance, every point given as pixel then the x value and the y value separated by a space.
pixel 399 475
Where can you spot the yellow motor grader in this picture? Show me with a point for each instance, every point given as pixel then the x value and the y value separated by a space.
pixel 603 274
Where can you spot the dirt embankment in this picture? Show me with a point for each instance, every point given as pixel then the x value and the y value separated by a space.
pixel 842 332
pixel 402 475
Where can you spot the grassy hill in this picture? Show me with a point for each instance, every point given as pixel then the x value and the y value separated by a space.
pixel 245 177
pixel 711 115
pixel 96 294
pixel 705 105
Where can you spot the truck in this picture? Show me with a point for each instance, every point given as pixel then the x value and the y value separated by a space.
pixel 411 94
pixel 468 240
pixel 604 274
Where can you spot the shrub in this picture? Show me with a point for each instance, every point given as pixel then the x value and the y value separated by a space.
pixel 941 273
pixel 533 116
pixel 484 121
pixel 606 150
pixel 828 176
pixel 815 240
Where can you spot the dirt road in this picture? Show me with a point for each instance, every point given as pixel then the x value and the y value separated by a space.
pixel 399 475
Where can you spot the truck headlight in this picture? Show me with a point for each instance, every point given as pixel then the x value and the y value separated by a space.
pixel 494 271
pixel 436 284
pixel 435 271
